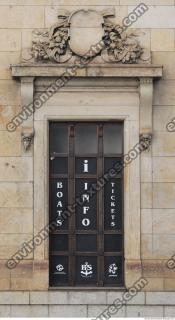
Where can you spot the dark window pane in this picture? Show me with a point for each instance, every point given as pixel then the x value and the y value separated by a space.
pixel 86 212
pixel 59 242
pixel 86 270
pixel 86 243
pixel 58 138
pixel 113 270
pixel 59 202
pixel 113 163
pixel 86 166
pixel 59 271
pixel 113 205
pixel 113 243
pixel 86 139
pixel 113 138
pixel 59 165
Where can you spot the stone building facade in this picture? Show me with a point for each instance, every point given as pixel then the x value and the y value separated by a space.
pixel 133 83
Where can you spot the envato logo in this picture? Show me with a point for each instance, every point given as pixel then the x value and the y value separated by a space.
pixel 171 125
pixel 117 304
pixel 29 247
pixel 27 111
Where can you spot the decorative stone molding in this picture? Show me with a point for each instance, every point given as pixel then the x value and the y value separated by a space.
pixel 86 33
pixel 144 73
pixel 146 101
pixel 146 140
pixel 131 87
pixel 27 139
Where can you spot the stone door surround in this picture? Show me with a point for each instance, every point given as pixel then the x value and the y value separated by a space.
pixel 129 90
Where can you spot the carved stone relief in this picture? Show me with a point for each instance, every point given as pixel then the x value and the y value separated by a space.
pixel 27 139
pixel 75 34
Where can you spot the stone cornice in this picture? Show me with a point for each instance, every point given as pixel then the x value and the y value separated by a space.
pixel 110 70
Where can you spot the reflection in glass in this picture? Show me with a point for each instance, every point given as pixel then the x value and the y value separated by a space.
pixel 59 138
pixel 113 138
pixel 86 139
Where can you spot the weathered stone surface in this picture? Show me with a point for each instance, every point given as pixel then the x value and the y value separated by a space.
pixel 14 297
pixel 153 17
pixel 146 195
pixel 10 244
pixel 30 275
pixel 29 311
pixel 162 116
pixel 9 93
pixel 90 99
pixel 169 312
pixel 89 110
pixel 120 13
pixel 40 275
pixel 27 36
pixel 162 40
pixel 16 169
pixel 133 272
pixel 4 311
pixel 146 246
pixel 24 270
pixel 111 296
pixel 163 246
pixel 169 285
pixel 155 284
pixel 16 220
pixel 144 311
pixel 41 215
pixel 149 2
pixel 163 224
pixel 107 70
pixel 160 298
pixel 68 311
pixel 51 11
pixel 7 58
pixel 153 269
pixel 4 285
pixel 163 195
pixel 96 311
pixel 10 39
pixel 163 211
pixel 164 94
pixel 137 299
pixel 163 144
pixel 16 195
pixel 7 113
pixel 167 59
pixel 45 297
pixel 19 17
pixel 87 298
pixel 25 2
pixel 146 221
pixel 85 3
pixel 163 169
pixel 10 144
pixel 17 284
pixel 146 167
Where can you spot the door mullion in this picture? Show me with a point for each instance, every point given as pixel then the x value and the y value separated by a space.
pixel 71 196
pixel 100 208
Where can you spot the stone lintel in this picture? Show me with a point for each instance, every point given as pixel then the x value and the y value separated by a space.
pixel 110 70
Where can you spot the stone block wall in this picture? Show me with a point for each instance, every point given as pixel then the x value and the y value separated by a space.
pixel 92 305
pixel 156 31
